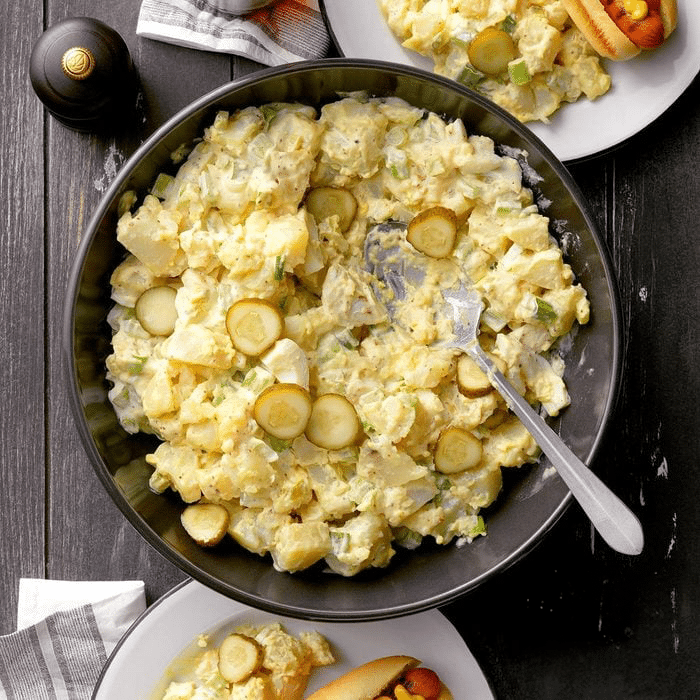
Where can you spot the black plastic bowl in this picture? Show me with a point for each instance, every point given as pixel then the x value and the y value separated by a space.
pixel 534 497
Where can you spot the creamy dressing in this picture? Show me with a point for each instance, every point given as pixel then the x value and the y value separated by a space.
pixel 553 63
pixel 232 225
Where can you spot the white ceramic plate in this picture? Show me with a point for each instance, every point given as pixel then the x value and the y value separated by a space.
pixel 643 88
pixel 166 631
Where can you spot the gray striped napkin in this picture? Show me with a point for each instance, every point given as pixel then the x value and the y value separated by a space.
pixel 66 632
pixel 283 32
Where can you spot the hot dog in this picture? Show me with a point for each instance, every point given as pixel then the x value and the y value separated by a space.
pixel 621 29
pixel 378 680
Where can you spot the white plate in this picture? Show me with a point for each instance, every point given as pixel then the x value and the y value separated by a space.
pixel 137 667
pixel 643 88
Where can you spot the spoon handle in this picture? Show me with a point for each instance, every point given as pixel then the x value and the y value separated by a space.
pixel 615 522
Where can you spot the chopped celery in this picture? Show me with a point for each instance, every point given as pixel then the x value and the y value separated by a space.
pixel 279 267
pixel 407 538
pixel 442 482
pixel 269 112
pixel 277 444
pixel 494 321
pixel 479 528
pixel 470 77
pixel 161 185
pixel 508 24
pixel 340 541
pixel 545 312
pixel 518 72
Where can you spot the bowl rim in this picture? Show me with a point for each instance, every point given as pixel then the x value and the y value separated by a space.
pixel 70 371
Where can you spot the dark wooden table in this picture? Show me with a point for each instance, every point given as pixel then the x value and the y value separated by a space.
pixel 572 620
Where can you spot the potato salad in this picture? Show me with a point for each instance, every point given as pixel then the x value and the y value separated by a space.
pixel 263 662
pixel 294 415
pixel 525 55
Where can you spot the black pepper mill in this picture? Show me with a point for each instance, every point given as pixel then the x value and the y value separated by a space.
pixel 82 71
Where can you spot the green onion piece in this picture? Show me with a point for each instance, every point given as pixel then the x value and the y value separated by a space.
pixel 137 367
pixel 279 267
pixel 518 72
pixel 545 312
pixel 250 378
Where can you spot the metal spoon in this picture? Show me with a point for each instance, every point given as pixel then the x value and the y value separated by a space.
pixel 390 259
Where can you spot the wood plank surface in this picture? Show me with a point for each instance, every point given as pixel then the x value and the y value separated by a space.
pixel 24 317
pixel 573 619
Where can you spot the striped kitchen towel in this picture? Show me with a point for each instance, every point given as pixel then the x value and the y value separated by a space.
pixel 66 630
pixel 282 32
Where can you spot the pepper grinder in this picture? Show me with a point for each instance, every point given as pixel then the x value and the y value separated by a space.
pixel 82 71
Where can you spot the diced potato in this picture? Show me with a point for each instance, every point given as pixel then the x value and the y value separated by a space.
pixel 333 423
pixel 239 658
pixel 457 450
pixel 300 545
pixel 433 232
pixel 323 202
pixel 155 310
pixel 283 410
pixel 254 325
pixel 205 523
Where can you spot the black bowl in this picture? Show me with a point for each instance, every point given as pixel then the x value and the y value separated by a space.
pixel 534 497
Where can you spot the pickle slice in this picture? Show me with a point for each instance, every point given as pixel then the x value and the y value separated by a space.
pixel 457 450
pixel 155 310
pixel 491 50
pixel 433 232
pixel 205 523
pixel 283 410
pixel 333 423
pixel 239 658
pixel 323 202
pixel 254 325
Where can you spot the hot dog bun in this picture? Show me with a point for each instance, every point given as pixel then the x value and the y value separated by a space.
pixel 367 681
pixel 604 35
